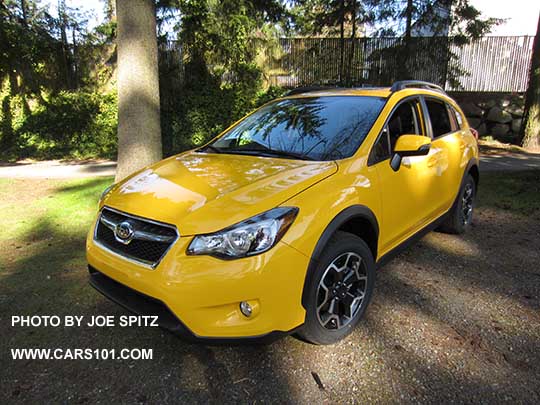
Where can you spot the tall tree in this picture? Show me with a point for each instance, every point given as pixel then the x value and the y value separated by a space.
pixel 139 132
pixel 63 25
pixel 110 10
pixel 454 22
pixel 531 122
pixel 330 19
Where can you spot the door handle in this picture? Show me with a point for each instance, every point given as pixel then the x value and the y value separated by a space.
pixel 432 161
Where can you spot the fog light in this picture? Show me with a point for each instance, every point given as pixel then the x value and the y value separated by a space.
pixel 246 309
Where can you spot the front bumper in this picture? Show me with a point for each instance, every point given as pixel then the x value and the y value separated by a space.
pixel 198 296
pixel 141 304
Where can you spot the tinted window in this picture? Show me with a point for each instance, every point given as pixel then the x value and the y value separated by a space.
pixel 459 119
pixel 319 128
pixel 404 121
pixel 440 120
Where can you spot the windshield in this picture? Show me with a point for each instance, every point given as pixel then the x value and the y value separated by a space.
pixel 315 128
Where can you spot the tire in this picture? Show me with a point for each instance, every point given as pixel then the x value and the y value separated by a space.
pixel 346 257
pixel 460 217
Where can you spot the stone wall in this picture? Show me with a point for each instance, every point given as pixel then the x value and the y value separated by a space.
pixel 495 114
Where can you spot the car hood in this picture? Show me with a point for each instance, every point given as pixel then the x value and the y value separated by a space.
pixel 204 192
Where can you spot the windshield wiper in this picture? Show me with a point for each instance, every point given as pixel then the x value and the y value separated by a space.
pixel 210 148
pixel 267 152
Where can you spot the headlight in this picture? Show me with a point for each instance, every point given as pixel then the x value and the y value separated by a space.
pixel 105 192
pixel 247 238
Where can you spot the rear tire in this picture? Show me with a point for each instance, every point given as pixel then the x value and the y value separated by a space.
pixel 340 290
pixel 460 217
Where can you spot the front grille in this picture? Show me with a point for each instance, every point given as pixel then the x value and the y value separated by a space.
pixel 146 242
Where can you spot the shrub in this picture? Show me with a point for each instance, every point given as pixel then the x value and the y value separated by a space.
pixel 75 124
pixel 197 111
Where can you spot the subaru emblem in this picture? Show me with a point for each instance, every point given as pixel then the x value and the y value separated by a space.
pixel 123 232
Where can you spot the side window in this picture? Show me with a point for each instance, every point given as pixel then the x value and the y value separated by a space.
pixel 440 119
pixel 404 121
pixel 381 150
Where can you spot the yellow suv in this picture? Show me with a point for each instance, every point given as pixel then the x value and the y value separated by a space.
pixel 279 223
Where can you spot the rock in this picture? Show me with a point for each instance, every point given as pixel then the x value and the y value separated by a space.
pixel 515 110
pixel 474 122
pixel 482 130
pixel 500 130
pixel 471 110
pixel 499 116
pixel 486 105
pixel 516 125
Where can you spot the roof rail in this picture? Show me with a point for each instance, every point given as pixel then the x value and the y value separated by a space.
pixel 404 84
pixel 308 89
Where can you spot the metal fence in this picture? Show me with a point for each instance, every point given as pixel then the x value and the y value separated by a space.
pixel 490 64
pixel 495 64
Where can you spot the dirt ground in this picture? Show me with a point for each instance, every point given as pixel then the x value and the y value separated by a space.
pixel 453 319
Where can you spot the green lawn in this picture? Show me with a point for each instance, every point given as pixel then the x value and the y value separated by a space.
pixel 42 252
pixel 33 207
pixel 518 192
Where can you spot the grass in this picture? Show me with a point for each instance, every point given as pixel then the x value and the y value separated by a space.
pixel 518 192
pixel 68 206
pixel 44 225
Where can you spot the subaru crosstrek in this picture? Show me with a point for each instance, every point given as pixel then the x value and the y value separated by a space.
pixel 279 223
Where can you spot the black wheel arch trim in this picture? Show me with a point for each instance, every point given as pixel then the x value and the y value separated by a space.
pixel 352 212
pixel 472 163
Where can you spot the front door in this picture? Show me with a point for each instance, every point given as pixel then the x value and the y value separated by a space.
pixel 408 195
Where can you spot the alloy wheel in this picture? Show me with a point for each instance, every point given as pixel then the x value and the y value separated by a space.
pixel 341 291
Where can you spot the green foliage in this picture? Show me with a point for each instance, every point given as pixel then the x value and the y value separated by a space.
pixel 74 124
pixel 221 80
pixel 208 107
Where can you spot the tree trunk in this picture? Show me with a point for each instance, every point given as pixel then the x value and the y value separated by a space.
pixel 531 117
pixel 342 41
pixel 75 66
pixel 24 13
pixel 403 59
pixel 408 19
pixel 62 17
pixel 353 40
pixel 139 132
pixel 110 10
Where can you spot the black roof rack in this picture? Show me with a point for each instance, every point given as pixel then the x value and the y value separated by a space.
pixel 404 84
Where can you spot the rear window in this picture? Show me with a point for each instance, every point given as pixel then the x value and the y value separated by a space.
pixel 319 128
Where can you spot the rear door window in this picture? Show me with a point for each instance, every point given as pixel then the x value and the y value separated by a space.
pixel 439 116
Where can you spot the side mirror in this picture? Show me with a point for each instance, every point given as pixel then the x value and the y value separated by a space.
pixel 409 145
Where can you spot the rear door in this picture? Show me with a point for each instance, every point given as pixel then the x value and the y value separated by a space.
pixel 447 148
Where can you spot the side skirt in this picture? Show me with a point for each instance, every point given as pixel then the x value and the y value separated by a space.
pixel 412 240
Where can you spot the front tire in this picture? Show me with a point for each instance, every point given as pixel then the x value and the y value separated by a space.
pixel 460 217
pixel 340 291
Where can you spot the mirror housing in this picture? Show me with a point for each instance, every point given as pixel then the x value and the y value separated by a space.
pixel 409 145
